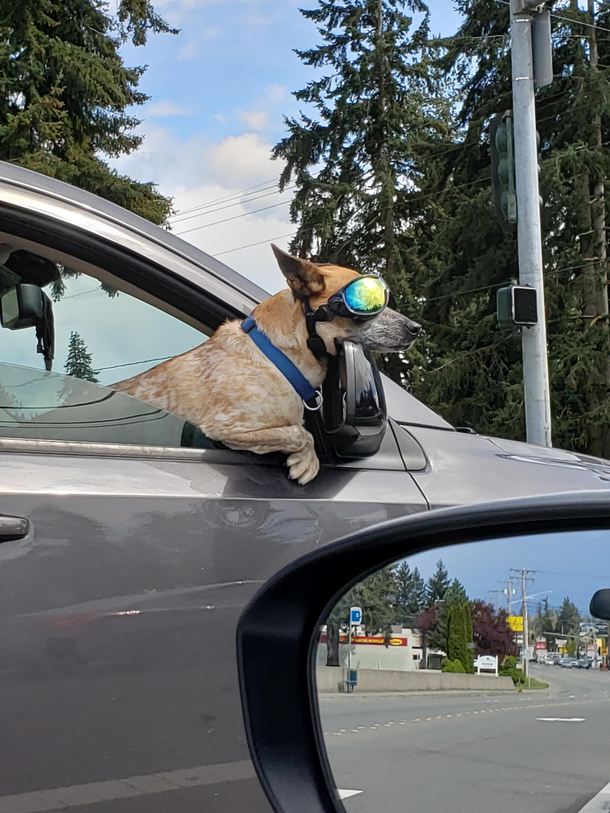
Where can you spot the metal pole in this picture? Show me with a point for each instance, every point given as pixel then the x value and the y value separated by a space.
pixel 534 348
pixel 525 628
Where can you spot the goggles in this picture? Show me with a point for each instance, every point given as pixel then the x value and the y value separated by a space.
pixel 362 298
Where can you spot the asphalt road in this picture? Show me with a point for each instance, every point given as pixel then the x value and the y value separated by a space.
pixel 431 752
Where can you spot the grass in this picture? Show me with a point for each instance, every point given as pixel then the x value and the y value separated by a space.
pixel 533 684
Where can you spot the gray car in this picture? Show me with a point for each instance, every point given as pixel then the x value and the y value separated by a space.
pixel 130 543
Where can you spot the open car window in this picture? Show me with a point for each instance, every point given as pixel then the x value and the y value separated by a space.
pixel 43 405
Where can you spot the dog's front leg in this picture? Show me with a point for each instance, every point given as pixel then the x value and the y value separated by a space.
pixel 294 441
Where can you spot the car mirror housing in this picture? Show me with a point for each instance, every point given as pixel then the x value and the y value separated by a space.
pixel 279 633
pixel 355 412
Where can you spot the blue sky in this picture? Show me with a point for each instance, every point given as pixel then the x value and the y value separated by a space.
pixel 574 565
pixel 219 91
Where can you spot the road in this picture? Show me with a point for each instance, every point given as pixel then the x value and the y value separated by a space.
pixel 431 752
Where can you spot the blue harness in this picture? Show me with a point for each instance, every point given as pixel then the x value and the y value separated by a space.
pixel 312 399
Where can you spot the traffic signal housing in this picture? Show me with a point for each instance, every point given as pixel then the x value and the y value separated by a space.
pixel 503 167
pixel 517 305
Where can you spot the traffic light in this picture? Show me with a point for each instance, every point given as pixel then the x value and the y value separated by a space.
pixel 517 305
pixel 503 166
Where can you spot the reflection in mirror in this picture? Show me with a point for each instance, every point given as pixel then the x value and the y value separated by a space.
pixel 471 678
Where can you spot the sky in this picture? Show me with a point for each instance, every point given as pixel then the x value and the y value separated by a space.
pixel 219 92
pixel 570 564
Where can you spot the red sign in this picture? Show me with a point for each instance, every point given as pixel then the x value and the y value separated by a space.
pixel 371 640
pixel 540 645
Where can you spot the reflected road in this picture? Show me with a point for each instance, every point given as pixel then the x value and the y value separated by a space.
pixel 536 752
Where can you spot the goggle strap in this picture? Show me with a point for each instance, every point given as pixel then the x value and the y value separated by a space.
pixel 315 343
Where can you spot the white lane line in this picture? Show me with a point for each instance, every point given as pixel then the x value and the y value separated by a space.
pixel 561 719
pixel 109 790
pixel 598 803
pixel 345 794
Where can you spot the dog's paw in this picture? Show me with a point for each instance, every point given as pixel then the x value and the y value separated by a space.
pixel 303 465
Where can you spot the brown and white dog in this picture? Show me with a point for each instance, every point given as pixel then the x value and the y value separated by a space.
pixel 231 390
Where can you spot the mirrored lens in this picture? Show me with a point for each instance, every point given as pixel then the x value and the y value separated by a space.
pixel 366 295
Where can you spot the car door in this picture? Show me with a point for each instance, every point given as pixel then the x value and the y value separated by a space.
pixel 129 544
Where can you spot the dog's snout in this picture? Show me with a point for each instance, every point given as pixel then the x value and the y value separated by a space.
pixel 414 328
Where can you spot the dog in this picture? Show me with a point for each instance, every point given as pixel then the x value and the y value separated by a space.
pixel 236 395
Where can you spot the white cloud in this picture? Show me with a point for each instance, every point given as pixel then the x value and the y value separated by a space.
pixel 258 117
pixel 255 119
pixel 189 51
pixel 195 173
pixel 220 117
pixel 161 109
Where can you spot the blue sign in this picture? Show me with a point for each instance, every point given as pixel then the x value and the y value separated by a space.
pixel 355 615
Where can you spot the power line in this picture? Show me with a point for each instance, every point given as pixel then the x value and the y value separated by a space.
pixel 250 245
pixel 228 197
pixel 240 202
pixel 566 19
pixel 235 217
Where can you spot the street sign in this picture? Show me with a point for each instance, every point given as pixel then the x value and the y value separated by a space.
pixel 486 663
pixel 515 622
pixel 528 653
pixel 355 615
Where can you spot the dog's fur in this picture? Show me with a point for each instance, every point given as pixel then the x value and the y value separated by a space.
pixel 236 395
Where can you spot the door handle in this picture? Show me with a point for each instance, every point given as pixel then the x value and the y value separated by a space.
pixel 13 528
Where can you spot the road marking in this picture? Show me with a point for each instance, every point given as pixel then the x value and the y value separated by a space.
pixel 448 715
pixel 373 728
pixel 336 734
pixel 428 719
pixel 354 730
pixel 439 716
pixel 417 720
pixel 599 802
pixel 345 794
pixel 561 719
pixel 40 801
pixel 360 727
pixel 402 722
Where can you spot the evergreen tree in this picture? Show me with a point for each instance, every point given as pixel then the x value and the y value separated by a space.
pixel 472 371
pixel 78 363
pixel 354 162
pixel 65 92
pixel 437 584
pixel 568 620
pixel 410 594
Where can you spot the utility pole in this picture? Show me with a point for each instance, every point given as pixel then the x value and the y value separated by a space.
pixel 509 593
pixel 496 592
pixel 529 234
pixel 523 571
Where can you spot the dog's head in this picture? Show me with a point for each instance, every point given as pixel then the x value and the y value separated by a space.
pixel 389 332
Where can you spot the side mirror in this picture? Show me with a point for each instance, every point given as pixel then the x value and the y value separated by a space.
pixel 451 682
pixel 23 306
pixel 355 412
pixel 26 306
pixel 600 604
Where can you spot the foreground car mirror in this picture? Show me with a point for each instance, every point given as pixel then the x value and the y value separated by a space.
pixel 365 736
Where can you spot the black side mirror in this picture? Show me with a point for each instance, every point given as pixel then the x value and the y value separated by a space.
pixel 355 412
pixel 600 604
pixel 28 306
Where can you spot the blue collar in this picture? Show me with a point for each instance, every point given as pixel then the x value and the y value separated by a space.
pixel 312 399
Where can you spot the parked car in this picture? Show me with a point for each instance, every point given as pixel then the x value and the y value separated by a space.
pixel 131 543
pixel 584 663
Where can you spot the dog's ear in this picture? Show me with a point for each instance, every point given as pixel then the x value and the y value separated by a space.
pixel 302 276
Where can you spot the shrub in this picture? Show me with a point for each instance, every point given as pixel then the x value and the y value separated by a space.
pixel 453 666
pixel 509 669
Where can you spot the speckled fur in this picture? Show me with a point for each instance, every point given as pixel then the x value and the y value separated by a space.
pixel 234 393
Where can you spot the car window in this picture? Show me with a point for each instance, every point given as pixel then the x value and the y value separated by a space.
pixel 102 336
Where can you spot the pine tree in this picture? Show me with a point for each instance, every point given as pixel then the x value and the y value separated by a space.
pixel 472 372
pixel 355 163
pixel 437 584
pixel 569 619
pixel 65 92
pixel 410 594
pixel 79 363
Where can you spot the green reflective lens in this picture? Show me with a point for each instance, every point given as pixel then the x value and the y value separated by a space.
pixel 366 295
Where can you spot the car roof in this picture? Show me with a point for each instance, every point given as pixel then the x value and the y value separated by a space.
pixel 402 406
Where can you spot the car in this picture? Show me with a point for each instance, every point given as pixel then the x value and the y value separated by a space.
pixel 130 543
pixel 584 663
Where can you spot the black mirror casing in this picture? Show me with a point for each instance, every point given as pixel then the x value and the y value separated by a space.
pixel 22 307
pixel 600 604
pixel 355 412
pixel 276 636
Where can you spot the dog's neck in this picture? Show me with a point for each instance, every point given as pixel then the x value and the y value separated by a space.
pixel 282 320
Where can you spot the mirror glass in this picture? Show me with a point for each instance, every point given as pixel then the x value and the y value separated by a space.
pixel 471 678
